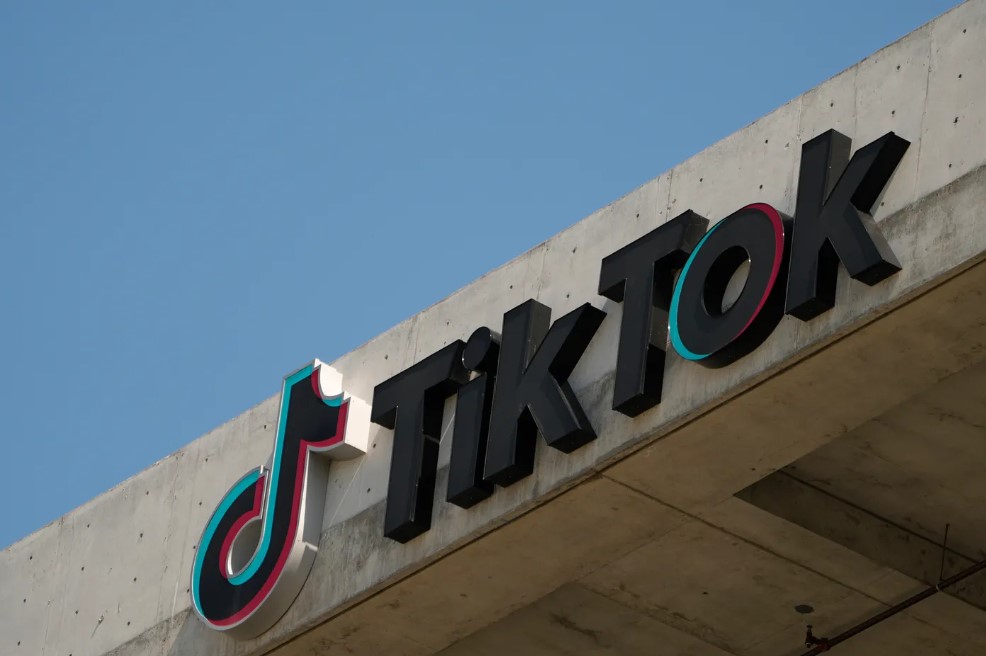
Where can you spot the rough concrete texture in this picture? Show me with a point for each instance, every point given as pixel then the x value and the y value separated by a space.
pixel 654 489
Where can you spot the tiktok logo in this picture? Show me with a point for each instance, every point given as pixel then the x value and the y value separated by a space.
pixel 259 545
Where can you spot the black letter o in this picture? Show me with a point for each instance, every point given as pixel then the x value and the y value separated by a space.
pixel 699 328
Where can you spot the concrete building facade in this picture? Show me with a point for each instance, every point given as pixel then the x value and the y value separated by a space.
pixel 808 482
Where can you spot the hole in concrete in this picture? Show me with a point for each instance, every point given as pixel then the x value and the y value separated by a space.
pixel 141 535
pixel 83 568
pixel 135 579
pixel 368 490
pixel 960 76
pixel 898 67
pixel 893 112
pixel 76 612
pixel 128 623
pixel 761 186
pixel 385 357
pixel 766 140
pixel 956 120
pixel 804 609
pixel 832 103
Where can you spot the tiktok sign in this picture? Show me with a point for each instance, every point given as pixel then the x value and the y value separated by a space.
pixel 677 285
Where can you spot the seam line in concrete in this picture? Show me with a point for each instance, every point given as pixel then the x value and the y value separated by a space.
pixel 924 109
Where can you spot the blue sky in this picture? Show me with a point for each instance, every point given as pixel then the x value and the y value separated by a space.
pixel 179 181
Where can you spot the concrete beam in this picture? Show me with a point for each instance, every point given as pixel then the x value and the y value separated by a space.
pixel 872 536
